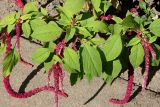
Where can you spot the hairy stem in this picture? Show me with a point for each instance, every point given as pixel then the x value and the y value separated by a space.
pixel 129 88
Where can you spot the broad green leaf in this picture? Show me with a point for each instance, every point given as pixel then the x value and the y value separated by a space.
pixel 46 33
pixel 113 68
pixel 152 39
pixel 30 7
pixel 98 41
pixel 26 29
pixel 44 11
pixel 134 41
pixel 9 62
pixel 48 65
pixel 137 55
pixel 71 58
pixel 25 17
pixel 74 6
pixel 10 28
pixel 154 27
pixel 142 5
pixel 83 31
pixel 74 78
pixel 97 26
pixel 92 64
pixel 68 68
pixel 117 19
pixel 113 47
pixel 96 4
pixel 129 22
pixel 106 5
pixel 70 33
pixel 36 23
pixel 65 12
pixel 51 46
pixel 40 55
pixel 8 20
pixel 64 20
pixel 117 29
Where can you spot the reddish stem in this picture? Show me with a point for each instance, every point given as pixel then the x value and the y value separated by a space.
pixel 8 43
pixel 30 93
pixel 20 4
pixel 129 88
pixel 109 17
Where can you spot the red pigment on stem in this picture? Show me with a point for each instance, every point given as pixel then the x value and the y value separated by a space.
pixel 133 10
pixel 59 48
pixel 109 17
pixel 8 43
pixel 30 93
pixel 129 88
pixel 20 4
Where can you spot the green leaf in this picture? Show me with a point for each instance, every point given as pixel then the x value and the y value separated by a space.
pixel 129 22
pixel 71 58
pixel 9 62
pixel 96 4
pixel 51 46
pixel 46 33
pixel 137 55
pixel 48 65
pixel 44 11
pixel 10 28
pixel 92 64
pixel 152 39
pixel 70 33
pixel 83 31
pixel 98 41
pixel 25 17
pixel 106 6
pixel 113 47
pixel 2 48
pixel 8 20
pixel 117 19
pixel 154 27
pixel 142 5
pixel 74 6
pixel 113 68
pixel 36 23
pixel 26 29
pixel 134 41
pixel 40 55
pixel 30 7
pixel 68 68
pixel 74 77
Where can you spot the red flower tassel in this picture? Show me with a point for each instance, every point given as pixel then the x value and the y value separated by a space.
pixel 129 88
